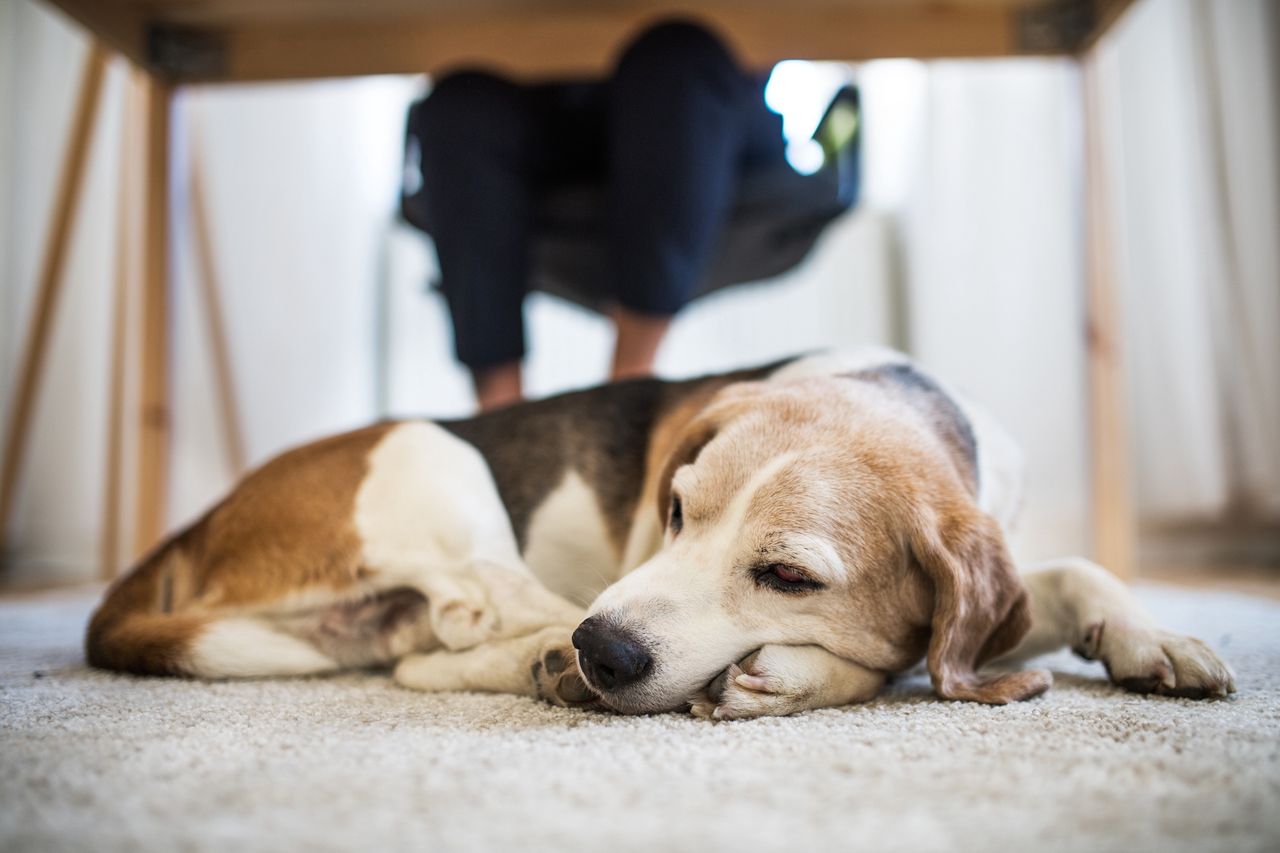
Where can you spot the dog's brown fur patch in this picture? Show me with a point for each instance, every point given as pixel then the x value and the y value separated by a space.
pixel 288 527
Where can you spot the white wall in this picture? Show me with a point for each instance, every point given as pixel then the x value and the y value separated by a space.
pixel 1193 113
pixel 300 181
pixel 55 528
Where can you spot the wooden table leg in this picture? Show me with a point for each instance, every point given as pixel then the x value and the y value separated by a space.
pixel 1114 527
pixel 50 283
pixel 153 396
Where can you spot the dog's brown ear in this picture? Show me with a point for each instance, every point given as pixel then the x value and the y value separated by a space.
pixel 981 609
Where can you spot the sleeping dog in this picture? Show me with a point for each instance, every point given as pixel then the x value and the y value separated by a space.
pixel 759 542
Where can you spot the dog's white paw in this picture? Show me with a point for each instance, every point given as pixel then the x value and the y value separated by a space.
pixel 463 624
pixel 1144 659
pixel 750 689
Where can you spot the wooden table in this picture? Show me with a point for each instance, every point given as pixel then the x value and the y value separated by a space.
pixel 175 43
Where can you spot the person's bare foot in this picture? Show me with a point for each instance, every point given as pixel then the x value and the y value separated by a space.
pixel 497 386
pixel 636 346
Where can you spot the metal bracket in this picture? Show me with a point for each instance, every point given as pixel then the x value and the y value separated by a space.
pixel 1061 27
pixel 185 54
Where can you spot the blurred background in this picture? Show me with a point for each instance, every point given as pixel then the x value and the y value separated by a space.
pixel 966 249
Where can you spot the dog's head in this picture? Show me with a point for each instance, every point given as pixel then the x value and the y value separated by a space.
pixel 836 511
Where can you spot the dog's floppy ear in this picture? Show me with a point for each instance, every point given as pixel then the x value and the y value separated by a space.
pixel 981 609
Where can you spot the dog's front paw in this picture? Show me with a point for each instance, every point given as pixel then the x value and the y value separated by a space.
pixel 1149 660
pixel 748 689
pixel 557 679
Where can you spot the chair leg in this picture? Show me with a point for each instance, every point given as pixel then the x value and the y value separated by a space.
pixel 1114 528
pixel 50 283
pixel 216 325
pixel 153 398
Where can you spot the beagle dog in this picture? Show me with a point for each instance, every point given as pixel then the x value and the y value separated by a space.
pixel 754 543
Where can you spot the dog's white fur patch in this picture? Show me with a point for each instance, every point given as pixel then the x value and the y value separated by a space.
pixel 249 648
pixel 568 546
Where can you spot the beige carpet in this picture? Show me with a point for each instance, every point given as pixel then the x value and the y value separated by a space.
pixel 96 762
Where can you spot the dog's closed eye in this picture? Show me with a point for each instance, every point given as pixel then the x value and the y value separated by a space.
pixel 785 578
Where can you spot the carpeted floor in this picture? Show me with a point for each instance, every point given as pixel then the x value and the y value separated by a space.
pixel 96 762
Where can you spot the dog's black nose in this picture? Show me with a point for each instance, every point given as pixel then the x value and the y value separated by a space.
pixel 610 657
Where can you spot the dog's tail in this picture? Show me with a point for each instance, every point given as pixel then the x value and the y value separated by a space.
pixel 136 628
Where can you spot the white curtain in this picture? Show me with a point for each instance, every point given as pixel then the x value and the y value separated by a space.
pixel 1190 97
pixel 979 163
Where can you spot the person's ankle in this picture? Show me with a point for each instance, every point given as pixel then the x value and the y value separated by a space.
pixel 631 370
pixel 497 386
pixel 638 338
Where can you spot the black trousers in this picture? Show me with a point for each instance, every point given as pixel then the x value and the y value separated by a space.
pixel 667 134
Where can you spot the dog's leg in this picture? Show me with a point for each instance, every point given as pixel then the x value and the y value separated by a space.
pixel 458 608
pixel 780 680
pixel 542 665
pixel 1079 604
pixel 481 600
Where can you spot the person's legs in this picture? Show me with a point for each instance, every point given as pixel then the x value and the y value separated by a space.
pixel 677 114
pixel 477 167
